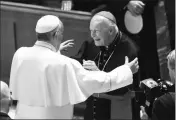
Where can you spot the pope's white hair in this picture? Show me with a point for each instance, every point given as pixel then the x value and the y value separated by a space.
pixel 60 25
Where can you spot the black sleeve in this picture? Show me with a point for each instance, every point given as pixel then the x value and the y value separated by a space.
pixel 81 52
pixel 88 51
pixel 164 108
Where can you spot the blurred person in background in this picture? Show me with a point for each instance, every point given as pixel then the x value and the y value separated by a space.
pixel 164 106
pixel 5 101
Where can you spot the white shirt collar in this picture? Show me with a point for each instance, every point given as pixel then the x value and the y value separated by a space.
pixel 46 45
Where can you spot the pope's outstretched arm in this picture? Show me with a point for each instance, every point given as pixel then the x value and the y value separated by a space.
pixel 99 81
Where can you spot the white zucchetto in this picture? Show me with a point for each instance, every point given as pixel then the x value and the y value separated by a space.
pixel 47 23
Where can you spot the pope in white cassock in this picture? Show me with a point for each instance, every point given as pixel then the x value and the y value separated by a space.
pixel 48 84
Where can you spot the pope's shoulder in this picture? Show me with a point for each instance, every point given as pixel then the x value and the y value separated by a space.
pixel 54 57
pixel 20 50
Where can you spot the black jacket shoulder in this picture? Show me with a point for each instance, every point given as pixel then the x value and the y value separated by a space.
pixel 164 107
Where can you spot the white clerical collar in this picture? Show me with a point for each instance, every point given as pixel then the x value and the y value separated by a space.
pixel 46 45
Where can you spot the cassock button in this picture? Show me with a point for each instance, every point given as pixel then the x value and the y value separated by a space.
pixel 95 99
pixel 94 106
pixel 94 113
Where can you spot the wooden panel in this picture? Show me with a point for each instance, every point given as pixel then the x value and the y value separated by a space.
pixel 7 48
pixel 76 24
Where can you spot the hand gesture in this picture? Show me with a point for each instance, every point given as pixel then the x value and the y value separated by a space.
pixel 136 7
pixel 90 65
pixel 65 45
pixel 133 64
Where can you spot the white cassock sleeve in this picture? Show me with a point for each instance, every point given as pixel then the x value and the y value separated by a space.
pixel 90 82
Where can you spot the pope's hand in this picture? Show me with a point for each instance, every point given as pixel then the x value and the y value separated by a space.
pixel 136 7
pixel 90 65
pixel 65 45
pixel 133 64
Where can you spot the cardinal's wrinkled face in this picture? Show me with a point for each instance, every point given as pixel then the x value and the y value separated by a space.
pixel 99 31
